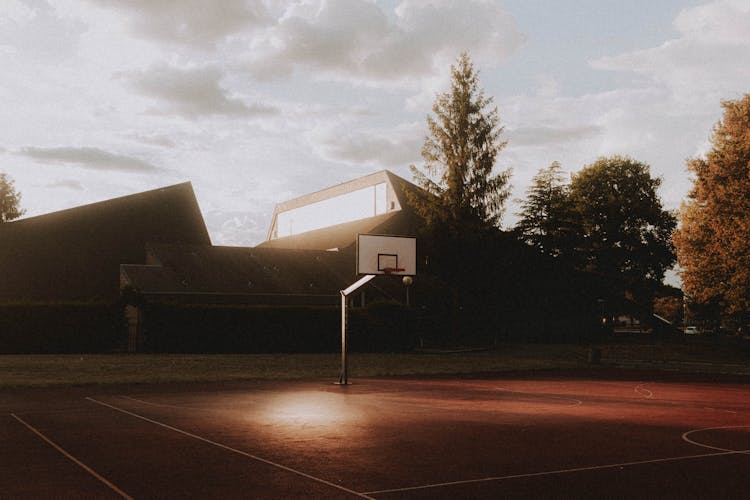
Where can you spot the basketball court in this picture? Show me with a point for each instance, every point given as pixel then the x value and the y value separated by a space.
pixel 566 434
pixel 549 435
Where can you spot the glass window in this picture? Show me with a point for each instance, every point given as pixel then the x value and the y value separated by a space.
pixel 359 204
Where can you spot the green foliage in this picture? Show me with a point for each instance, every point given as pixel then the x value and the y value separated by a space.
pixel 546 216
pixel 462 194
pixel 502 289
pixel 624 233
pixel 9 200
pixel 609 221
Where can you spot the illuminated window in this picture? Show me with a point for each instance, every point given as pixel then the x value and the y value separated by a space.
pixel 359 204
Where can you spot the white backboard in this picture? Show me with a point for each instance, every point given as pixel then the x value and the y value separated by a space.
pixel 384 254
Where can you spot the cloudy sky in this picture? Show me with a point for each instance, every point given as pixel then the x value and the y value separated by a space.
pixel 257 102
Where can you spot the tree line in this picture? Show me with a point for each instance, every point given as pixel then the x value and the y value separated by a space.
pixel 606 220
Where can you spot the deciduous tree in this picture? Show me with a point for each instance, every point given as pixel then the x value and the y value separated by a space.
pixel 624 233
pixel 10 200
pixel 713 243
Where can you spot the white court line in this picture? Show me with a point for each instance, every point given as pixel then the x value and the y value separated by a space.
pixel 703 445
pixel 72 458
pixel 153 404
pixel 159 405
pixel 162 405
pixel 642 391
pixel 233 450
pixel 554 472
pixel 575 402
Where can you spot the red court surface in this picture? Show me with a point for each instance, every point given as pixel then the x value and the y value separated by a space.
pixel 598 434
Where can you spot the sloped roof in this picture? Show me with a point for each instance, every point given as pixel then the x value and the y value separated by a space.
pixel 75 254
pixel 243 275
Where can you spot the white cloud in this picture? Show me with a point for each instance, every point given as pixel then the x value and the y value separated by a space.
pixel 550 135
pixel 91 158
pixel 192 92
pixel 154 139
pixel 546 86
pixel 710 59
pixel 196 23
pixel 38 30
pixel 668 117
pixel 641 123
pixel 720 21
pixel 66 184
pixel 237 228
pixel 356 40
pixel 379 149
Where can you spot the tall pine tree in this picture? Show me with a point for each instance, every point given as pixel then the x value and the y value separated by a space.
pixel 462 200
pixel 546 217
pixel 464 195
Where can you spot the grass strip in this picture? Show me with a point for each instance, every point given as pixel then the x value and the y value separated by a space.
pixel 103 369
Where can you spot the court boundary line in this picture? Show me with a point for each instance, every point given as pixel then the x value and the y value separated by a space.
pixel 233 450
pixel 576 402
pixel 553 472
pixel 711 447
pixel 160 405
pixel 73 459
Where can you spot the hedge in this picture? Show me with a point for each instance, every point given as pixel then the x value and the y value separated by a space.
pixel 61 328
pixel 242 329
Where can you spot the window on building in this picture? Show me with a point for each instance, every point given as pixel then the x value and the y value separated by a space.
pixel 359 204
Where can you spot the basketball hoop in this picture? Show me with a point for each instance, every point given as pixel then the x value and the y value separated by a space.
pixel 380 254
pixel 377 254
pixel 392 270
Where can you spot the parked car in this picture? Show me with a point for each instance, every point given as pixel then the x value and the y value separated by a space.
pixel 691 330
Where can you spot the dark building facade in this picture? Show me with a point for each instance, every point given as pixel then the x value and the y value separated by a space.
pixel 153 248
pixel 75 254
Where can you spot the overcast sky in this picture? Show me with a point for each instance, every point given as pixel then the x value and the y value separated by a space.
pixel 258 102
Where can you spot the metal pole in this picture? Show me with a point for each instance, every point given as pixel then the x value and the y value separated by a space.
pixel 407 281
pixel 343 379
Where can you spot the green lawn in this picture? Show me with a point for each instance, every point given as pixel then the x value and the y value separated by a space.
pixel 64 370
pixel 51 370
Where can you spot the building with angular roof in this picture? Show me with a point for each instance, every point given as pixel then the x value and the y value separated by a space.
pixel 308 258
pixel 313 259
pixel 75 254
pixel 239 275
pixel 155 246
